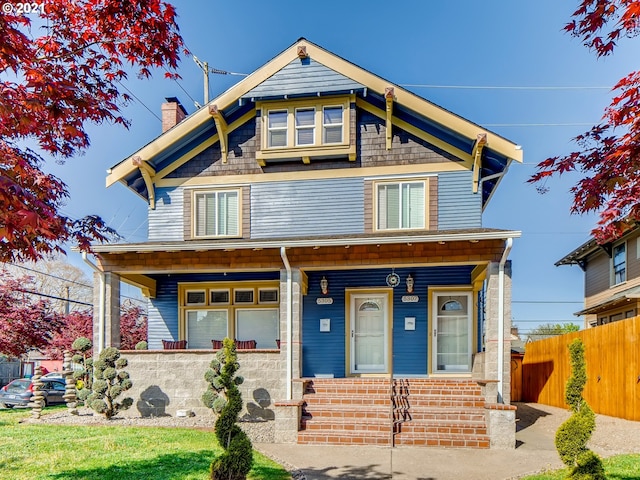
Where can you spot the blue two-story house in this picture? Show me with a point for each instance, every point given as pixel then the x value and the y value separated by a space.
pixel 330 222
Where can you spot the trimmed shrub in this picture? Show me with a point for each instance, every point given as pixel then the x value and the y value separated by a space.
pixel 574 433
pixel 109 383
pixel 224 398
pixel 83 374
pixel 142 345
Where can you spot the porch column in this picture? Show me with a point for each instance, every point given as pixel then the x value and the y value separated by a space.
pixel 106 311
pixel 491 332
pixel 288 411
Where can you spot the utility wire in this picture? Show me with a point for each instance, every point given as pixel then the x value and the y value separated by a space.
pixel 86 285
pixel 54 297
pixel 140 101
pixel 504 87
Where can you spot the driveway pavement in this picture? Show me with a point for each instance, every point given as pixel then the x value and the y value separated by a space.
pixel 535 451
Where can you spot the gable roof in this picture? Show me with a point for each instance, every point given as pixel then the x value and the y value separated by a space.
pixel 279 78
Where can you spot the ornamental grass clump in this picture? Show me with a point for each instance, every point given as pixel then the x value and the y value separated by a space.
pixel 574 433
pixel 224 398
pixel 109 381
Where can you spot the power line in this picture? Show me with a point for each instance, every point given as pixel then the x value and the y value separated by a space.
pixel 54 297
pixel 86 285
pixel 140 101
pixel 546 301
pixel 504 87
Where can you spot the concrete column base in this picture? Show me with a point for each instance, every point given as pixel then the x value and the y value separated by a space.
pixel 287 422
pixel 501 426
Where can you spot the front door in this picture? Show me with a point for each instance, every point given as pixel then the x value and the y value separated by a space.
pixel 369 333
pixel 452 332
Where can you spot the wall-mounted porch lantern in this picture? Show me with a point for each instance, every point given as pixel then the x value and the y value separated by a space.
pixel 409 284
pixel 324 285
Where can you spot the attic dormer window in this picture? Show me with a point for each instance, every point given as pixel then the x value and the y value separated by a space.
pixel 304 129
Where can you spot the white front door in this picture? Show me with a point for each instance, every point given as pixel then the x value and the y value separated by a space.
pixel 452 332
pixel 369 333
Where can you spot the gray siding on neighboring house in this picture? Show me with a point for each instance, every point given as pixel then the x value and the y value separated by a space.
pixel 307 208
pixel 458 206
pixel 303 77
pixel 166 220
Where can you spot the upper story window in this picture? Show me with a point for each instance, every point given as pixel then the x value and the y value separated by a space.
pixel 307 128
pixel 400 205
pixel 217 213
pixel 298 127
pixel 619 263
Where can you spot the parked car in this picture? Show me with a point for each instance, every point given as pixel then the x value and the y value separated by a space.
pixel 19 392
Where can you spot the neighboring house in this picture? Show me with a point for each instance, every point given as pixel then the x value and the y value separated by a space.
pixel 331 222
pixel 611 277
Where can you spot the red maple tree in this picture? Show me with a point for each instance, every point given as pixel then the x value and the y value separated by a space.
pixel 133 329
pixel 51 87
pixel 609 154
pixel 24 324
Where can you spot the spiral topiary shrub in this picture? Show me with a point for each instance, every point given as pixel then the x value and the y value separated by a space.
pixel 574 433
pixel 224 398
pixel 109 381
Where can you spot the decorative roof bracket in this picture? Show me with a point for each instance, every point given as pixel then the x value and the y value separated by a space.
pixel 222 128
pixel 476 154
pixel 389 97
pixel 148 174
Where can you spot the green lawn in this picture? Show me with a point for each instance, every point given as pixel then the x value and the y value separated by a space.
pixel 55 452
pixel 620 467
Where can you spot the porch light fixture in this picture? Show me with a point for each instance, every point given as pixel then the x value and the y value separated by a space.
pixel 410 284
pixel 324 285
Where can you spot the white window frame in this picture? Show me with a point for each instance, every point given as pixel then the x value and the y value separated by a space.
pixel 206 311
pixel 614 279
pixel 196 290
pixel 400 183
pixel 299 128
pixel 276 301
pixel 195 213
pixel 326 126
pixel 270 129
pixel 277 321
pixel 228 292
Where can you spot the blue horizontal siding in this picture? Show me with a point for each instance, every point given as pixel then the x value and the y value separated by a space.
pixel 166 221
pixel 303 77
pixel 325 352
pixel 458 206
pixel 306 208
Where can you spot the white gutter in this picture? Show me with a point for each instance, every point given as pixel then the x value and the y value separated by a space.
pixel 503 260
pixel 205 245
pixel 287 266
pixel 101 319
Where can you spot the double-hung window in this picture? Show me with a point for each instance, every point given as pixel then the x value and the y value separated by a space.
pixel 619 264
pixel 305 126
pixel 277 128
pixel 217 213
pixel 400 205
pixel 332 124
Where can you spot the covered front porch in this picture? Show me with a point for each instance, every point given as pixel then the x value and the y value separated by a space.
pixel 410 306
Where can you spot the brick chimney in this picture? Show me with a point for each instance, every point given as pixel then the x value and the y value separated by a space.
pixel 172 113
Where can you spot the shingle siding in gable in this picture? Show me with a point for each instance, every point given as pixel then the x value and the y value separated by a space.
pixel 241 157
pixel 303 77
pixel 166 221
pixel 458 206
pixel 307 208
pixel 406 149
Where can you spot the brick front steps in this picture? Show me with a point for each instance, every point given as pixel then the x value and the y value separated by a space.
pixel 429 412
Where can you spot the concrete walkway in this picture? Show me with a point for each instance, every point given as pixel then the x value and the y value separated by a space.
pixel 535 452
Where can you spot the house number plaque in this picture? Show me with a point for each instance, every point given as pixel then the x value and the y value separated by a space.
pixel 324 301
pixel 410 299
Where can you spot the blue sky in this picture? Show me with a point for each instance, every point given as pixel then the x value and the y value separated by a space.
pixel 433 46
